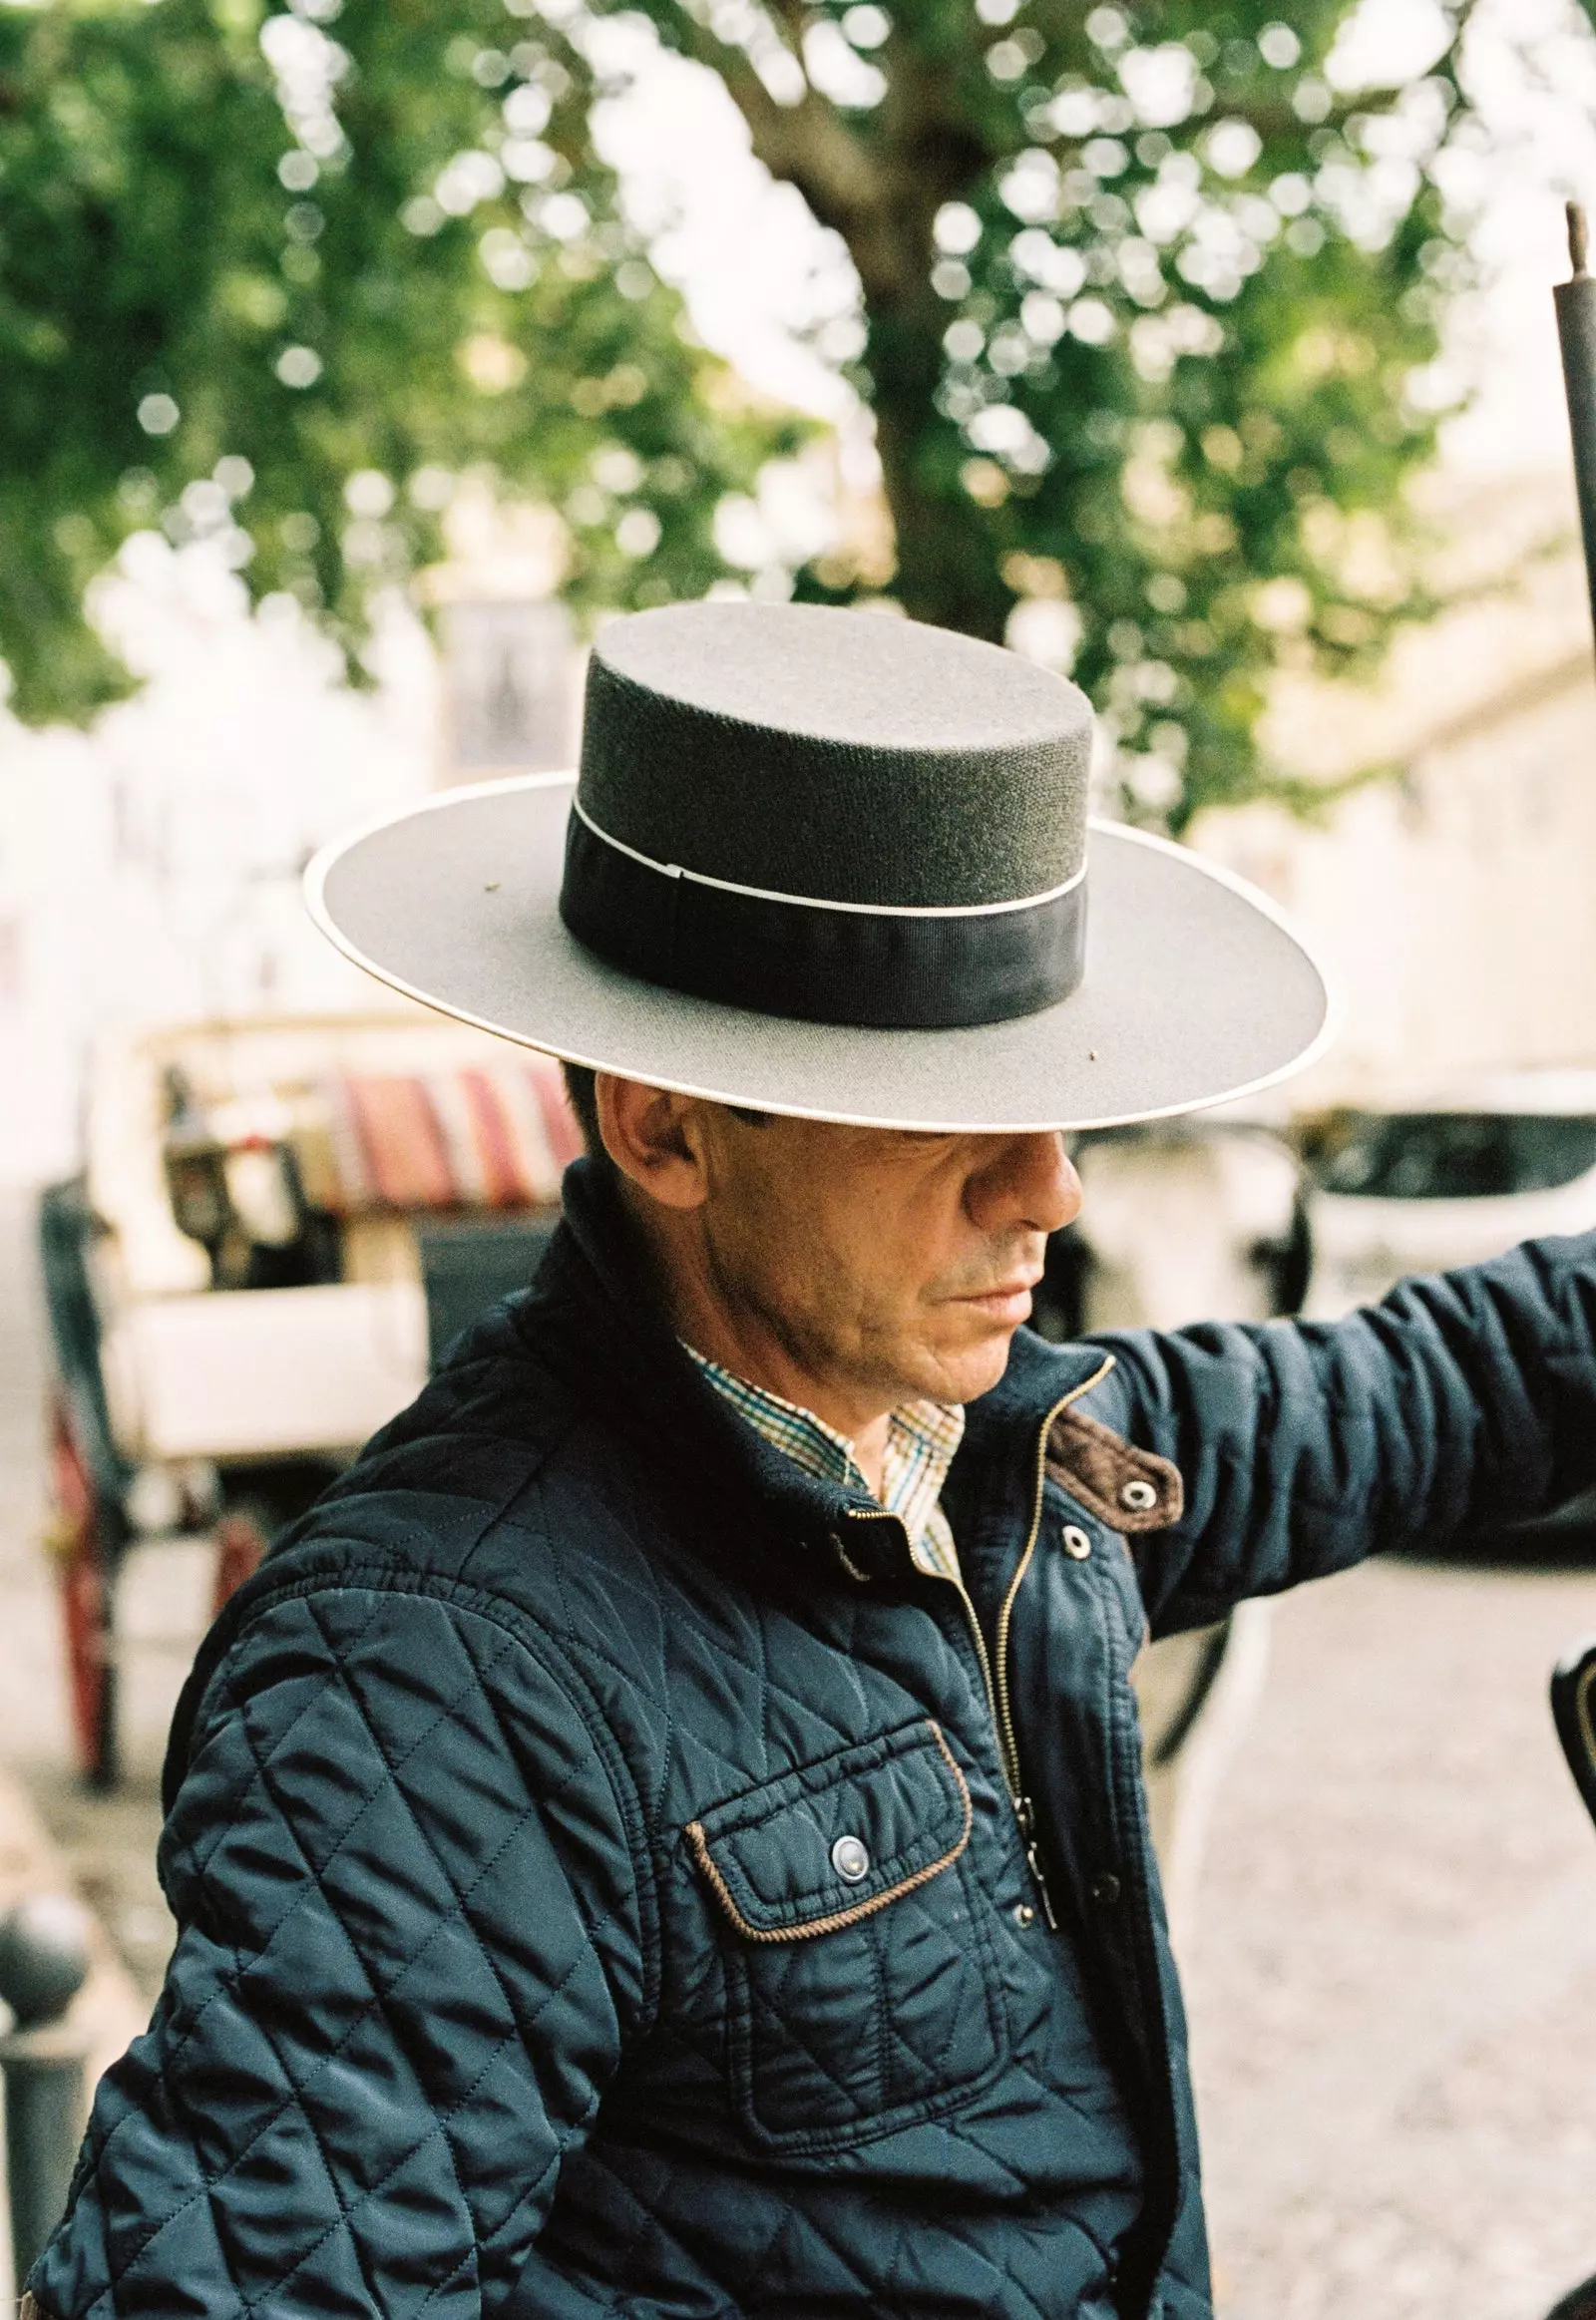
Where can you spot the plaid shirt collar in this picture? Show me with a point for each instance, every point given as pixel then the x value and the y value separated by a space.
pixel 922 1438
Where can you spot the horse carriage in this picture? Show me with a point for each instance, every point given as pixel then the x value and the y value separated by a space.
pixel 278 1226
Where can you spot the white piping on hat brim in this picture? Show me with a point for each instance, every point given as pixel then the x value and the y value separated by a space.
pixel 315 886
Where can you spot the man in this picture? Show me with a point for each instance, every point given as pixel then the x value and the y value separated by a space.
pixel 664 1837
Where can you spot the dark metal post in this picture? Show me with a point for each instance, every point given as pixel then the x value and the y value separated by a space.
pixel 44 1961
pixel 1574 1713
pixel 1576 328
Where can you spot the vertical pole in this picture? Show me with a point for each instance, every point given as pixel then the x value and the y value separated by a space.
pixel 1576 329
pixel 43 2095
pixel 44 1961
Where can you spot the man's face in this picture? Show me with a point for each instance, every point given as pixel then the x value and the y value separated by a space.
pixel 887 1266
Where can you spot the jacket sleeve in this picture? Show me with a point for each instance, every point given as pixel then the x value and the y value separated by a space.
pixel 1465 1400
pixel 408 1956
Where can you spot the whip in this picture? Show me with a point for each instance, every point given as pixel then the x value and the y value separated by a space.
pixel 1576 329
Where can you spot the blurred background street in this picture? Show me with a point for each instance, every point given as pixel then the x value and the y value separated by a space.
pixel 357 364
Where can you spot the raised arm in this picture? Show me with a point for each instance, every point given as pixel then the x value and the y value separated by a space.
pixel 408 1957
pixel 1464 1399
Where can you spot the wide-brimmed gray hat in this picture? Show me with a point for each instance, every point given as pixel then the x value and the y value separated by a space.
pixel 835 864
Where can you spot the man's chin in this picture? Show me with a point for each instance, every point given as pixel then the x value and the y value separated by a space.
pixel 970 1372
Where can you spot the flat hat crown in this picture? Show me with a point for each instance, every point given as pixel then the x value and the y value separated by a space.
pixel 839 757
pixel 836 817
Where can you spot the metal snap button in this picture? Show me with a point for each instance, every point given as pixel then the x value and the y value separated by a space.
pixel 1025 1915
pixel 1076 1542
pixel 1105 1888
pixel 851 1859
pixel 1138 1496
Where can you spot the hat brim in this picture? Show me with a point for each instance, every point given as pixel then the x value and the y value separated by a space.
pixel 1196 991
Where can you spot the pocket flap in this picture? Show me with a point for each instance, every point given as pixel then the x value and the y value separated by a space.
pixel 824 1847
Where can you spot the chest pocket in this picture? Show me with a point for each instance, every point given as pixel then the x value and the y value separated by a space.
pixel 861 1982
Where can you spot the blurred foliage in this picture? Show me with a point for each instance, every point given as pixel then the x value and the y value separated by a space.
pixel 287 292
pixel 1149 322
pixel 1150 310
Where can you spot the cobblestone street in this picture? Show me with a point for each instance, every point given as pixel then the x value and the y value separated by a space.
pixel 1392 1977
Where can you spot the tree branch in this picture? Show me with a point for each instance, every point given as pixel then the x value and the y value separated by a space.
pixel 789 15
pixel 805 144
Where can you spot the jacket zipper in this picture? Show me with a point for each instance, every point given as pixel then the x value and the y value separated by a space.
pixel 1003 1706
pixel 996 1682
pixel 1003 1709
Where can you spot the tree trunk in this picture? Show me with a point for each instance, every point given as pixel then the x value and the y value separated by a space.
pixel 880 190
pixel 948 549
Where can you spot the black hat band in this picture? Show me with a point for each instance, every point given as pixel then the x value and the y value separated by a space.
pixel 815 962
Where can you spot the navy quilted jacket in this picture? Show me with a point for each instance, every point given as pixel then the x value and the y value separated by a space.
pixel 521 1970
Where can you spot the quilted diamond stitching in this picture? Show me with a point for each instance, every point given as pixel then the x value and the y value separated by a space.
pixel 552 1791
pixel 519 2030
pixel 261 1775
pixel 231 1701
pixel 561 2139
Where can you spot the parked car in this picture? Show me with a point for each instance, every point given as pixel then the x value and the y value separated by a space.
pixel 1453 1175
pixel 1446 1176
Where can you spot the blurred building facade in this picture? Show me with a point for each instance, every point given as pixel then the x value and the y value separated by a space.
pixel 150 869
pixel 1455 903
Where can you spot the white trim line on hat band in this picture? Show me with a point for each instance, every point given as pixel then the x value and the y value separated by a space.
pixel 809 902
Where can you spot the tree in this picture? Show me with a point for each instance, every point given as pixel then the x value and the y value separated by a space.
pixel 1149 302
pixel 1145 303
pixel 289 291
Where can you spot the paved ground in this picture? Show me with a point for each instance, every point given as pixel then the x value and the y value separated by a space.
pixel 1392 1973
pixel 1394 1978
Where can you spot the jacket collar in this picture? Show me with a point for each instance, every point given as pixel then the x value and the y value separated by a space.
pixel 597 1289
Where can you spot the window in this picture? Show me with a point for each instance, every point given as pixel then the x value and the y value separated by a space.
pixel 1452 1155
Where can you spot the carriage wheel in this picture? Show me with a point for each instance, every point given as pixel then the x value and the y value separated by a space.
pixel 84 1580
pixel 242 1538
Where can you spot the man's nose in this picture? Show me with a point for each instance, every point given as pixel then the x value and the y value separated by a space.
pixel 1030 1183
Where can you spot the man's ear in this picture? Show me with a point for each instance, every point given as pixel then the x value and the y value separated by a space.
pixel 656 1140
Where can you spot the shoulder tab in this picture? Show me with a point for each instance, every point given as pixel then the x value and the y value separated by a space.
pixel 1127 1488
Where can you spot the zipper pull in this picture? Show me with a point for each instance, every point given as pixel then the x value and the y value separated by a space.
pixel 1033 1860
pixel 1025 1815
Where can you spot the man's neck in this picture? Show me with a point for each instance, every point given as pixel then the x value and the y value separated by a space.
pixel 752 1348
pixel 757 1356
pixel 866 1445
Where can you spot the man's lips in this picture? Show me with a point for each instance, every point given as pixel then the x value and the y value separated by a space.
pixel 1010 1301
